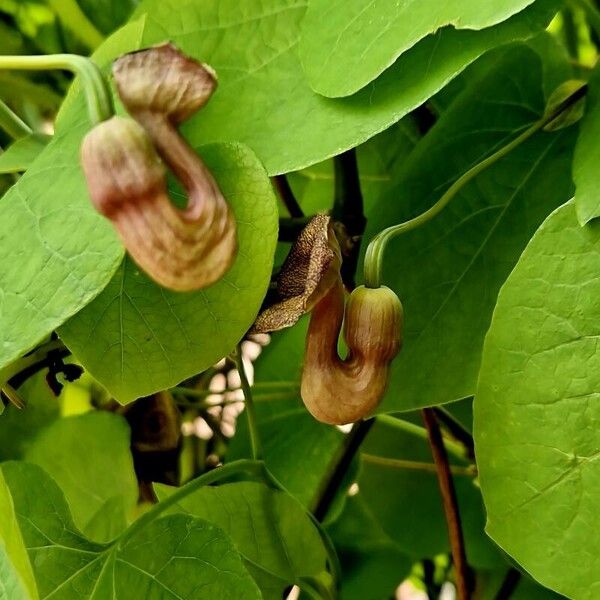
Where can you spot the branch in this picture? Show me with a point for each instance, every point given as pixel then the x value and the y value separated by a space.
pixel 456 429
pixel 286 194
pixel 450 503
pixel 348 210
pixel 340 465
pixel 509 585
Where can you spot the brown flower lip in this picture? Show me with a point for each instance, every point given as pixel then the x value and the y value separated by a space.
pixel 308 272
pixel 185 249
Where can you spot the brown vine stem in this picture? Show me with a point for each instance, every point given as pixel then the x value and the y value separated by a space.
pixel 457 545
pixel 286 194
pixel 339 467
pixel 509 585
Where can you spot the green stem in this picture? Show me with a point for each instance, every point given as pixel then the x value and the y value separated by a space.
pixel 96 89
pixel 237 467
pixel 8 372
pixel 266 385
pixel 374 256
pixel 75 20
pixel 407 427
pixel 413 465
pixel 249 404
pixel 12 124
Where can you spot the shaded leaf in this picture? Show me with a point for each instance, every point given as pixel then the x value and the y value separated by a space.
pixel 372 565
pixel 102 498
pixel 56 252
pixel 448 272
pixel 345 45
pixel 537 416
pixel 410 511
pixel 587 155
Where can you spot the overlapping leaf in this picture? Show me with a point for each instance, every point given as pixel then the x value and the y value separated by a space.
pixel 263 98
pixel 449 271
pixel 56 252
pixel 16 576
pixel 172 557
pixel 410 512
pixel 346 44
pixel 537 409
pixel 271 531
pixel 102 498
pixel 587 155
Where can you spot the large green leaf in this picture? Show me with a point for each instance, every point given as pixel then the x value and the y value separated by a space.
pixel 176 556
pixel 347 43
pixel 263 99
pixel 587 154
pixel 56 251
pixel 537 415
pixel 16 576
pixel 410 511
pixel 146 338
pixel 448 272
pixel 270 529
pixel 101 498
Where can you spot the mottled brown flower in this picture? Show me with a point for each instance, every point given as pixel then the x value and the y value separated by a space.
pixel 310 270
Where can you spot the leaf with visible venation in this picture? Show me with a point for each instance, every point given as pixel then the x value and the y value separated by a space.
pixel 537 410
pixel 587 155
pixel 21 153
pixel 263 98
pixel 448 272
pixel 347 43
pixel 56 252
pixel 177 556
pixel 16 576
pixel 273 533
pixel 137 338
pixel 102 498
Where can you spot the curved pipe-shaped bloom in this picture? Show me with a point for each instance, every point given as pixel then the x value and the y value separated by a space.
pixel 182 249
pixel 337 391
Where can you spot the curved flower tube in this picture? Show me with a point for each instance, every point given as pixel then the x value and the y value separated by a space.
pixel 337 391
pixel 182 249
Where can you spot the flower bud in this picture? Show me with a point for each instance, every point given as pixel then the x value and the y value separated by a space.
pixel 165 81
pixel 337 391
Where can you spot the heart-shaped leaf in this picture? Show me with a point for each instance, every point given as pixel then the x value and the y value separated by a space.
pixel 537 409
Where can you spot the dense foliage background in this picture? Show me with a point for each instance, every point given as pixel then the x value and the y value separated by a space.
pixel 369 110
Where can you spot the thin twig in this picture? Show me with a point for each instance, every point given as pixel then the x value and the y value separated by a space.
pixel 349 211
pixel 456 429
pixel 282 185
pixel 457 545
pixel 339 467
pixel 249 403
